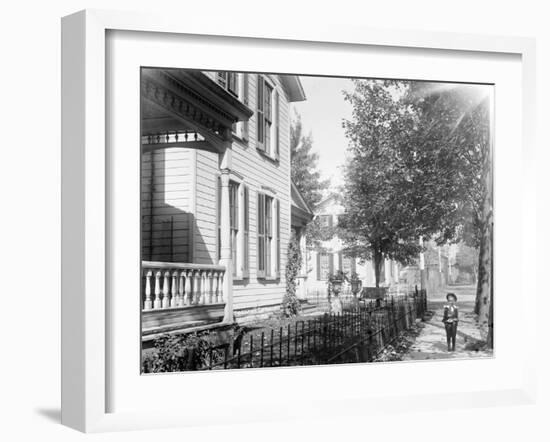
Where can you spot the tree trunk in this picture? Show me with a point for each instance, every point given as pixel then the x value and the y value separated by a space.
pixel 484 301
pixel 480 274
pixel 484 298
pixel 378 258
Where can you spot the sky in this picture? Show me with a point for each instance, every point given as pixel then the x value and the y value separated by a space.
pixel 322 114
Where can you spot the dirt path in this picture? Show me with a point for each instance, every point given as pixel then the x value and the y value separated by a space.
pixel 431 343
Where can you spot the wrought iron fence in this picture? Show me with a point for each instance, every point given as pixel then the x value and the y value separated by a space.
pixel 360 333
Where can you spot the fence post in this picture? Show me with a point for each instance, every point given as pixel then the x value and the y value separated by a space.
pixel 288 343
pixel 325 331
pixel 308 335
pixel 262 350
pixel 295 339
pixel 280 346
pixel 271 350
pixel 251 351
pixel 302 347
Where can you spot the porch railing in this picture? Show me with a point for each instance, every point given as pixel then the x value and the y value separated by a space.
pixel 171 285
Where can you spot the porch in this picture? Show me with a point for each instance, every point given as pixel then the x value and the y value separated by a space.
pixel 184 111
pixel 181 295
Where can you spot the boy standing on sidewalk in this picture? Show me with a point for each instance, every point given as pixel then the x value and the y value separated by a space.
pixel 450 319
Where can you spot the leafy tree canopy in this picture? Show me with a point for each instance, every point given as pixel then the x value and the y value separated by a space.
pixel 379 195
pixel 304 165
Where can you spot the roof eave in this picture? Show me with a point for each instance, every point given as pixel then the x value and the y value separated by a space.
pixel 294 88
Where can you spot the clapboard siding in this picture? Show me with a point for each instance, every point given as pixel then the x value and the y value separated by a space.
pixel 166 205
pixel 259 171
pixel 206 166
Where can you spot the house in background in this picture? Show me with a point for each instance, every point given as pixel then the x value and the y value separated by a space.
pixel 328 258
pixel 217 203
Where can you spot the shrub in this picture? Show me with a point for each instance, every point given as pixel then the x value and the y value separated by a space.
pixel 179 353
pixel 291 304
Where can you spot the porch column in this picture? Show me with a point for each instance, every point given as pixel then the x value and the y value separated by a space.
pixel 225 247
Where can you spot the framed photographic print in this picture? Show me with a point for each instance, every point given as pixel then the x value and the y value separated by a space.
pixel 245 210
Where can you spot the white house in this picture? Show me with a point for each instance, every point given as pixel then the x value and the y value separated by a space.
pixel 328 258
pixel 216 195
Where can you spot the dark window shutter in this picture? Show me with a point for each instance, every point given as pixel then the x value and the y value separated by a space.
pixel 318 266
pixel 222 79
pixel 246 241
pixel 330 263
pixel 276 123
pixel 278 220
pixel 260 125
pixel 340 261
pixel 261 235
pixel 219 211
pixel 330 220
pixel 232 83
pixel 245 101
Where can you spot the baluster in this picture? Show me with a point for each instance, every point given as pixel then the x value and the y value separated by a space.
pixel 197 287
pixel 220 285
pixel 148 304
pixel 216 284
pixel 181 299
pixel 210 287
pixel 188 297
pixel 166 290
pixel 175 297
pixel 157 302
pixel 204 288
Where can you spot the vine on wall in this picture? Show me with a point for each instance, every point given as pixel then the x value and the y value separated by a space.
pixel 291 304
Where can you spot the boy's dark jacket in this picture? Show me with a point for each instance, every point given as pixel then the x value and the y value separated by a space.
pixel 447 314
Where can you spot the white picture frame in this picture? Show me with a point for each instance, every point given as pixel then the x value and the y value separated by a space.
pixel 85 214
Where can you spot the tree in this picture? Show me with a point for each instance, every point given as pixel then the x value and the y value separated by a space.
pixel 304 165
pixel 382 210
pixel 420 166
pixel 467 260
pixel 453 135
pixel 305 174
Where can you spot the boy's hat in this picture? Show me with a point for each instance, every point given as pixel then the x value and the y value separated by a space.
pixel 451 295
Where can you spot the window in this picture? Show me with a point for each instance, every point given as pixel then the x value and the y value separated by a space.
pixel 325 263
pixel 239 227
pixel 234 222
pixel 347 264
pixel 267 115
pixel 229 81
pixel 269 252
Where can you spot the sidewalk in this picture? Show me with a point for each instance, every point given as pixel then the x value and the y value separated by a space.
pixel 431 343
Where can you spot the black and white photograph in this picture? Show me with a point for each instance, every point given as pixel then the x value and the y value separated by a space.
pixel 292 220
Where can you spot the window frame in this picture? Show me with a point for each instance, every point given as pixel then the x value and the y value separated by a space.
pixel 268 236
pixel 240 254
pixel 226 79
pixel 330 264
pixel 267 117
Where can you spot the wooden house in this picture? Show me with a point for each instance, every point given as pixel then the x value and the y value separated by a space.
pixel 328 257
pixel 216 196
